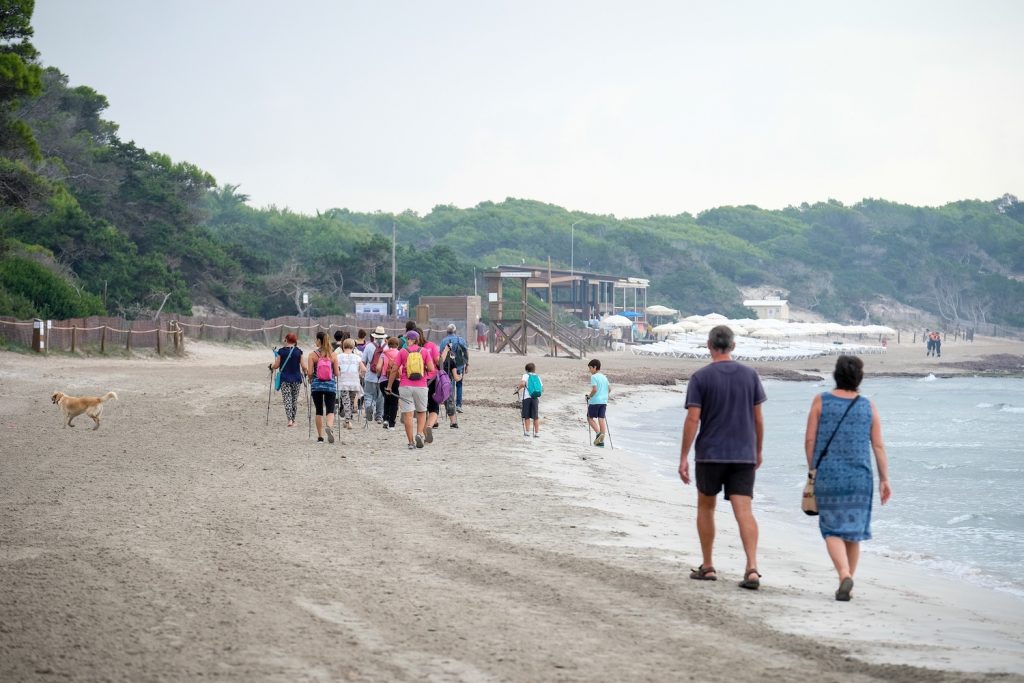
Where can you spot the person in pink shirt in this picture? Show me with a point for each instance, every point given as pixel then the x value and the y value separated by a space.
pixel 431 349
pixel 412 393
pixel 387 359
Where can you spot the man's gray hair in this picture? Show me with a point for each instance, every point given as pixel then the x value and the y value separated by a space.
pixel 721 338
pixel 451 328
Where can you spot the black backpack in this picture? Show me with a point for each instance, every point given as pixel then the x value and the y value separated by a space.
pixel 459 353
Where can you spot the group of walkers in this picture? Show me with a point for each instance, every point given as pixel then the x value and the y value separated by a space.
pixel 933 343
pixel 386 376
pixel 725 426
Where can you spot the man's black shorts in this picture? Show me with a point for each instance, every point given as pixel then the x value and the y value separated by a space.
pixel 736 477
pixel 596 410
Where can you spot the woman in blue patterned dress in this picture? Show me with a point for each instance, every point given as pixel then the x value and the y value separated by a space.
pixel 844 482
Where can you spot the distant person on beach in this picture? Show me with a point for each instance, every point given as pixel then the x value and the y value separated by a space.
pixel 410 326
pixel 371 357
pixel 448 365
pixel 384 364
pixel 938 344
pixel 350 384
pixel 458 351
pixel 431 351
pixel 843 482
pixel 481 335
pixel 723 415
pixel 323 385
pixel 597 402
pixel 412 391
pixel 289 359
pixel 530 387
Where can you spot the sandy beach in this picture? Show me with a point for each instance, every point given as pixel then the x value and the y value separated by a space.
pixel 186 539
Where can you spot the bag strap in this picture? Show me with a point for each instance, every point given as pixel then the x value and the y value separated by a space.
pixel 828 443
pixel 288 358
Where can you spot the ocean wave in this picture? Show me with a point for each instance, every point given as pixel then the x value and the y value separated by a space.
pixel 960 570
pixel 987 405
pixel 959 519
pixel 1007 408
pixel 929 378
pixel 934 444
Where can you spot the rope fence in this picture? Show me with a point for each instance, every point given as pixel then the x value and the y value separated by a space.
pixel 167 334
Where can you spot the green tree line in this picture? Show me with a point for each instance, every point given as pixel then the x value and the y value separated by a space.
pixel 90 223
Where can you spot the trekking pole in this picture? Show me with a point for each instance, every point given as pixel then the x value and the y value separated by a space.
pixel 586 419
pixel 608 426
pixel 270 394
pixel 309 410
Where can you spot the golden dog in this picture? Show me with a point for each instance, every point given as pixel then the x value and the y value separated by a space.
pixel 73 406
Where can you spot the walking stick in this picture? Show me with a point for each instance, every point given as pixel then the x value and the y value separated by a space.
pixel 270 391
pixel 586 400
pixel 270 394
pixel 309 411
pixel 608 426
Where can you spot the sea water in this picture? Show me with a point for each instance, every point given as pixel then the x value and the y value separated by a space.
pixel 956 464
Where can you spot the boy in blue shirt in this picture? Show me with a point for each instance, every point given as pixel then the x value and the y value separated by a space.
pixel 597 401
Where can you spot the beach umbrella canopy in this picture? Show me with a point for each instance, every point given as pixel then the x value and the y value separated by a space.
pixel 658 309
pixel 768 333
pixel 616 321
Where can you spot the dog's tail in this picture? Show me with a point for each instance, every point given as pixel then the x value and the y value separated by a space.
pixel 107 396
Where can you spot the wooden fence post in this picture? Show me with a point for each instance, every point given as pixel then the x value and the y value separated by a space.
pixel 74 335
pixel 202 328
pixel 159 350
pixel 128 344
pixel 103 339
pixel 229 332
pixel 280 341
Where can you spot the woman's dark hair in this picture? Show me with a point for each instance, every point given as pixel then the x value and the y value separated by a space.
pixel 361 334
pixel 530 367
pixel 848 373
pixel 410 325
pixel 338 336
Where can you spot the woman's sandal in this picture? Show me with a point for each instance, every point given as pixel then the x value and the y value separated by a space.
pixel 749 583
pixel 845 588
pixel 702 573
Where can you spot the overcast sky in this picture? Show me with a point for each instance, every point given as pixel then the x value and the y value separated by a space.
pixel 609 107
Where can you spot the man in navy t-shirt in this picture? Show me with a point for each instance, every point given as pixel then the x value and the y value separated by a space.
pixel 723 413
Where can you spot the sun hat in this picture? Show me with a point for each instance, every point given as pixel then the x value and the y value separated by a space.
pixel 379 333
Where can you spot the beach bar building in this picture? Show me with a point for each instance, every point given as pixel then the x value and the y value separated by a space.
pixel 584 295
pixel 578 293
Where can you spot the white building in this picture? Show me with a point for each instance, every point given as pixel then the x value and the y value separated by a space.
pixel 775 309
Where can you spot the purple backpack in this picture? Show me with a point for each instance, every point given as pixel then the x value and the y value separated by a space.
pixel 442 387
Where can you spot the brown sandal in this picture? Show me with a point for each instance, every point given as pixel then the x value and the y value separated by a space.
pixel 701 573
pixel 751 584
